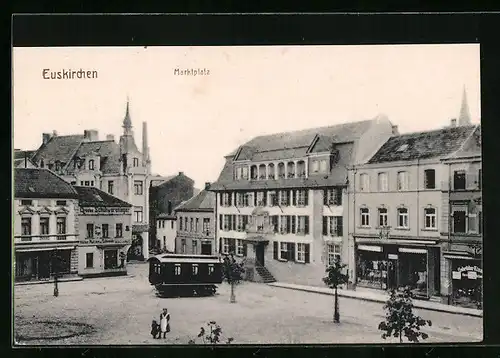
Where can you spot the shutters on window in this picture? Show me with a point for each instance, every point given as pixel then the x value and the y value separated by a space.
pixel 230 197
pixel 325 225
pixel 294 193
pixel 293 226
pixel 275 250
pixel 307 254
pixel 306 225
pixel 288 223
pixel 288 197
pixel 306 197
pixel 290 251
pixel 220 245
pixel 340 230
pixel 325 197
pixel 245 249
pixel 254 198
pixel 220 222
pixel 220 198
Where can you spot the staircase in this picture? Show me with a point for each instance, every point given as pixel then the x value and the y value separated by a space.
pixel 264 273
pixel 252 266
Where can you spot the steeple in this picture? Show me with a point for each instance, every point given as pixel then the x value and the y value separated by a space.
pixel 127 122
pixel 464 117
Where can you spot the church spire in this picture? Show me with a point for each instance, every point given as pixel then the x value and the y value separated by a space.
pixel 127 122
pixel 464 117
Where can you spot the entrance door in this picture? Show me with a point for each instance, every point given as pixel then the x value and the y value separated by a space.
pixel 44 265
pixel 259 253
pixel 206 248
pixel 392 269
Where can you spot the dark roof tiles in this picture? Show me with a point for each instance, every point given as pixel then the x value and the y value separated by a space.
pixel 90 196
pixel 58 148
pixel 203 201
pixel 41 183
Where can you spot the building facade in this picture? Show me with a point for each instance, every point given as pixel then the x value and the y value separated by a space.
pixel 281 198
pixel 196 224
pixel 165 194
pixel 105 233
pixel 166 232
pixel 119 169
pixel 45 225
pixel 397 201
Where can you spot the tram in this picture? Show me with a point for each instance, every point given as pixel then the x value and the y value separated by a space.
pixel 183 275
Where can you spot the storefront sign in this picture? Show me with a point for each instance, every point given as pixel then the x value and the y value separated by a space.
pixel 392 256
pixel 370 248
pixel 104 211
pixel 412 251
pixel 105 241
pixel 469 272
pixel 470 268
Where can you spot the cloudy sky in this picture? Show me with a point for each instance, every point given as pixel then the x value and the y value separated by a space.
pixel 193 121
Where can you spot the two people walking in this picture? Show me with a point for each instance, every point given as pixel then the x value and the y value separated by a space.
pixel 164 327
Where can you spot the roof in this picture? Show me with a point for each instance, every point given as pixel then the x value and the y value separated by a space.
pixel 21 161
pixel 90 196
pixel 21 154
pixel 41 183
pixel 297 143
pixel 423 145
pixel 58 148
pixel 186 258
pixel 166 216
pixel 158 180
pixel 108 150
pixel 203 201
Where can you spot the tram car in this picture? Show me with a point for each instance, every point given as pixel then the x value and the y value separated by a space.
pixel 184 275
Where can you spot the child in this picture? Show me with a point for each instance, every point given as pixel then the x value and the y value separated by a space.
pixel 155 329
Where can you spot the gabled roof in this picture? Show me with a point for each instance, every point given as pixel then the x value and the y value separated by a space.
pixel 20 162
pixel 108 150
pixel 90 196
pixel 41 183
pixel 296 143
pixel 58 148
pixel 21 154
pixel 423 145
pixel 203 201
pixel 159 180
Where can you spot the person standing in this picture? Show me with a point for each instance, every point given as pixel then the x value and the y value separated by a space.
pixel 165 322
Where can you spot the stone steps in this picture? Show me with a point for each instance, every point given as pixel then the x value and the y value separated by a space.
pixel 264 273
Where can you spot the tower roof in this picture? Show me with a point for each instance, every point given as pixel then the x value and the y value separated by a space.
pixel 127 122
pixel 464 117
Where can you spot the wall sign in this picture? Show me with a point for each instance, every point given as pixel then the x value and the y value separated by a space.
pixel 104 211
pixel 468 272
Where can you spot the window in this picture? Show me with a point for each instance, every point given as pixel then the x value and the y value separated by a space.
pixel 89 260
pixel 180 223
pixel 238 173
pixel 323 166
pixel 177 269
pixel 87 183
pixel 138 189
pixel 459 221
pixel 383 184
pixel 194 245
pixel 284 198
pixel 136 162
pixel 239 247
pixel 27 202
pixel 333 253
pixel 195 269
pixel 365 217
pixel 382 217
pixel 225 245
pixel 364 182
pixel 303 225
pixel 315 166
pixel 91 183
pixel 91 164
pixel 119 230
pixel 301 252
pixel 211 269
pixel 44 226
pixel 61 225
pixel 197 225
pixel 472 225
pixel 206 225
pixel 138 214
pixel 273 198
pixel 302 197
pixel 459 180
pixel 172 224
pixel 226 199
pixel 403 218
pixel 183 245
pixel 402 181
pixel 110 187
pixel 191 226
pixel 90 231
pixel 26 226
pixel 430 179
pixel 185 224
pixel 61 202
pixel 244 173
pixel 283 251
pixel 105 230
pixel 110 259
pixel 430 218
pixel 332 196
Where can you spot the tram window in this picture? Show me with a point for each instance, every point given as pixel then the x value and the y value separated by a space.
pixel 157 269
pixel 177 269
pixel 210 269
pixel 195 269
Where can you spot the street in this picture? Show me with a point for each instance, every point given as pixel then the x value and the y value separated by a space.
pixel 119 311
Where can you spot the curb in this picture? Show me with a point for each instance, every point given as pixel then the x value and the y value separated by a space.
pixel 48 281
pixel 415 303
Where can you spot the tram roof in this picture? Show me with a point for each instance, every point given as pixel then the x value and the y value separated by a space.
pixel 186 258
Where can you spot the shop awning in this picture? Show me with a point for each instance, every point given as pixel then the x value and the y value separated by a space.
pixel 412 250
pixel 370 248
pixel 457 256
pixel 31 249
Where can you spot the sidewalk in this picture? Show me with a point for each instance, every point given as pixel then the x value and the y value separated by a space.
pixel 382 298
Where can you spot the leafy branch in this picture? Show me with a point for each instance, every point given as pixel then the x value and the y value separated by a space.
pixel 212 335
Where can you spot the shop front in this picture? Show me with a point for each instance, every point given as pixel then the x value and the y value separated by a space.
pixel 467 278
pixel 389 267
pixel 42 264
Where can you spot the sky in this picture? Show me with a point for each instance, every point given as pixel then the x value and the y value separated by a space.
pixel 194 121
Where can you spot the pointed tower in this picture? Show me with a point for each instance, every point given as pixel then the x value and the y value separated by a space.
pixel 127 143
pixel 464 117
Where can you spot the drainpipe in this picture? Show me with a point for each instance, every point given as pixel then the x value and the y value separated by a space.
pixel 449 294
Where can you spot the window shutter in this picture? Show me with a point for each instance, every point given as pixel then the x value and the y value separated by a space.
pixel 234 222
pixel 306 224
pixel 220 245
pixel 307 260
pixel 275 250
pixel 295 193
pixel 289 194
pixel 254 198
pixel 291 251
pixel 340 225
pixel 306 197
pixel 293 229
pixel 245 249
pixel 220 198
pixel 325 225
pixel 230 199
pixel 325 197
pixel 288 223
pixel 220 222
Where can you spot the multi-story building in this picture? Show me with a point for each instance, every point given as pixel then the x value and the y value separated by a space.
pixel 105 233
pixel 165 194
pixel 45 225
pixel 281 197
pixel 166 231
pixel 395 202
pixel 120 169
pixel 461 229
pixel 195 224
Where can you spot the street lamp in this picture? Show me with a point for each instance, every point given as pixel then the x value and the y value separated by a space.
pixel 55 267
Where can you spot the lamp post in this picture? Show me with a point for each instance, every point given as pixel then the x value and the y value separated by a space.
pixel 55 267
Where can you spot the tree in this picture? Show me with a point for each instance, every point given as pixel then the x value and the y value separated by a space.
pixel 232 273
pixel 336 277
pixel 400 319
pixel 213 335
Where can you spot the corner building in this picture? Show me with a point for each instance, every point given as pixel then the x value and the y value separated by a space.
pixel 280 199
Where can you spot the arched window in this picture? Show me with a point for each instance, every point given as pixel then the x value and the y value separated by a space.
pixel 262 172
pixel 91 164
pixel 253 172
pixel 281 171
pixel 270 171
pixel 291 170
pixel 301 169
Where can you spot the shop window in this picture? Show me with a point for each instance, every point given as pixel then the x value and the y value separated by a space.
pixel 430 218
pixel 119 230
pixel 382 182
pixel 365 217
pixel 333 253
pixel 90 231
pixel 430 179
pixel 382 217
pixel 459 221
pixel 459 180
pixel 89 260
pixel 25 226
pixel 110 259
pixel 403 218
pixel 372 270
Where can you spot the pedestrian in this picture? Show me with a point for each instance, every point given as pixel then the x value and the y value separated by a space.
pixel 165 322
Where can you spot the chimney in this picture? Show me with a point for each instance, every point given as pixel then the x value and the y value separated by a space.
pixel 453 122
pixel 181 173
pixel 207 185
pixel 91 135
pixel 54 133
pixel 169 207
pixel 110 137
pixel 46 137
pixel 395 130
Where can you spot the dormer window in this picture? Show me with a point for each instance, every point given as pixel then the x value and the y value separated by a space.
pixel 136 162
pixel 91 164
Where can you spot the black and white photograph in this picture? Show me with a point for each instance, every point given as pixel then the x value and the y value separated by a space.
pixel 227 195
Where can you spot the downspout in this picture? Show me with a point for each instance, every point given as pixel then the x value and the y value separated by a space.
pixel 449 294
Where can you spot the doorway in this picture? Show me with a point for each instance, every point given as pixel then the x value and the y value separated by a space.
pixel 259 253
pixel 206 248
